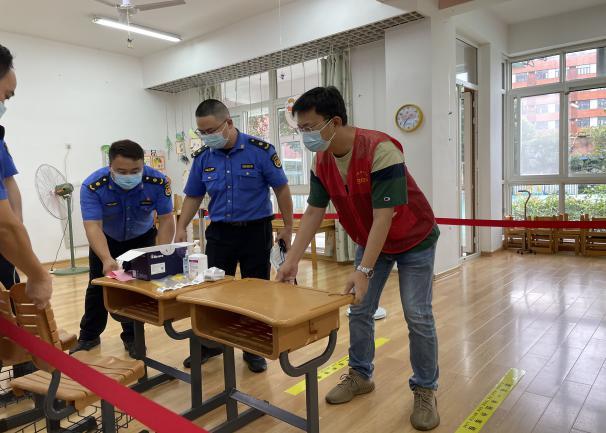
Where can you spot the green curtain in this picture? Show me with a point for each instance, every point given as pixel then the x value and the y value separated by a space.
pixel 336 71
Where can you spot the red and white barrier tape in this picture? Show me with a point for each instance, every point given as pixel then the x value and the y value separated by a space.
pixel 149 413
pixel 498 223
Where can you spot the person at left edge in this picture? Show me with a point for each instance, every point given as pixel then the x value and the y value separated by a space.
pixel 118 205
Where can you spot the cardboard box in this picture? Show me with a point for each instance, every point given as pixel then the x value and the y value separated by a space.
pixel 154 263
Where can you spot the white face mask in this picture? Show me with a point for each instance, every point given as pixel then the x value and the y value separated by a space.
pixel 2 109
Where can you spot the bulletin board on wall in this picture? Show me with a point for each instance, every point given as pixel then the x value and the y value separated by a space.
pixel 156 159
pixel 152 158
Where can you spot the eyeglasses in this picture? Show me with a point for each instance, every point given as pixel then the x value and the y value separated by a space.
pixel 312 128
pixel 200 133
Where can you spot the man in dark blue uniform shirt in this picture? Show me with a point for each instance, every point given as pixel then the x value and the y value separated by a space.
pixel 236 170
pixel 14 240
pixel 118 205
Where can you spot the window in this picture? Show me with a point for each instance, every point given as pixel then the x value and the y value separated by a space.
pixel 583 105
pixel 586 134
pixel 602 103
pixel 538 142
pixel 585 199
pixel 297 79
pixel 537 71
pixel 584 64
pixel 543 108
pixel 520 78
pixel 292 152
pixel 581 123
pixel 544 200
pixel 542 75
pixel 467 62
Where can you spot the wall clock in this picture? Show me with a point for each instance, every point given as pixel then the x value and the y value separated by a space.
pixel 409 117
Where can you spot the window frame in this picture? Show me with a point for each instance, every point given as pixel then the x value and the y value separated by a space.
pixel 512 137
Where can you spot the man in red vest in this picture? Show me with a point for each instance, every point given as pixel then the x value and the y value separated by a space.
pixel 383 210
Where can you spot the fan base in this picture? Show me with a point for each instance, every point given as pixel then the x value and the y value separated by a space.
pixel 70 271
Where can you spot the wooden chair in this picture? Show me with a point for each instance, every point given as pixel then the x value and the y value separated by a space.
pixel 63 396
pixel 514 236
pixel 18 361
pixel 593 241
pixel 542 240
pixel 567 239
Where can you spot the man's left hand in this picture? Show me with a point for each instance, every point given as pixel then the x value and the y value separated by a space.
pixel 358 284
pixel 286 235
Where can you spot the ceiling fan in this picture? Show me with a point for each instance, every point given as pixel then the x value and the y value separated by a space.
pixel 127 8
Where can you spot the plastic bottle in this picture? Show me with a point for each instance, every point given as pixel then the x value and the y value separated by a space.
pixel 197 262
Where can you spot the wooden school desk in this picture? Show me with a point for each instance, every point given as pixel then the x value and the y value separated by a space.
pixel 269 319
pixel 140 300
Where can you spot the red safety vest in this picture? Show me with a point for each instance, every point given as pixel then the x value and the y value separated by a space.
pixel 412 222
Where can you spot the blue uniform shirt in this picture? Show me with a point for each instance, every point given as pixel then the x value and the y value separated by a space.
pixel 237 181
pixel 125 214
pixel 7 166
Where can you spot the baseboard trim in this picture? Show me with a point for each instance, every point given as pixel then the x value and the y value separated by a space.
pixel 447 273
pixel 491 253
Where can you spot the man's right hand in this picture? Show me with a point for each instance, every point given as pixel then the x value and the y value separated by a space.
pixel 39 289
pixel 180 235
pixel 287 272
pixel 110 265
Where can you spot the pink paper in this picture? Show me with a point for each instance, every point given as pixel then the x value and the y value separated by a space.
pixel 120 275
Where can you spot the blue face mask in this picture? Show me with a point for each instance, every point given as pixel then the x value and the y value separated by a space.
pixel 214 140
pixel 2 109
pixel 313 140
pixel 127 181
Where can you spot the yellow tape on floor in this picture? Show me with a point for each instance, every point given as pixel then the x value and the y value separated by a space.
pixel 331 369
pixel 487 407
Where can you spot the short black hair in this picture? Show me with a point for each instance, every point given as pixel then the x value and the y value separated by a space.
pixel 212 107
pixel 326 101
pixel 6 61
pixel 127 149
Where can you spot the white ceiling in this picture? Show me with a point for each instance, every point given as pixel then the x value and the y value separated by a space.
pixel 70 21
pixel 515 11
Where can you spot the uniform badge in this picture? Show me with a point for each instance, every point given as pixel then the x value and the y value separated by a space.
pixel 248 166
pixel 167 189
pixel 145 202
pixel 276 160
pixel 111 204
pixel 209 169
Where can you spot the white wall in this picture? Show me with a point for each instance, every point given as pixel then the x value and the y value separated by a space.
pixel 560 30
pixel 368 86
pixel 298 23
pixel 69 94
pixel 419 67
pixel 408 80
pixel 490 34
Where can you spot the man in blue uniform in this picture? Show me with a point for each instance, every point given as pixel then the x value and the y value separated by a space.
pixel 118 205
pixel 236 170
pixel 8 274
pixel 14 240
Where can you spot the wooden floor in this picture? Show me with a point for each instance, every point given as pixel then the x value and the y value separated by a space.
pixel 544 314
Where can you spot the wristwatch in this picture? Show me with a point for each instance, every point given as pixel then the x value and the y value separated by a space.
pixel 369 272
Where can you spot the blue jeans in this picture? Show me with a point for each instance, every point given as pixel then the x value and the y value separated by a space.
pixel 415 270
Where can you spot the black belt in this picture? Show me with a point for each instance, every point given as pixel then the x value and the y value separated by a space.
pixel 245 223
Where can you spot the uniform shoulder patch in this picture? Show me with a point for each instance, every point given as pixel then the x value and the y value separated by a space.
pixel 276 160
pixel 260 143
pixel 94 186
pixel 199 151
pixel 154 180
pixel 167 189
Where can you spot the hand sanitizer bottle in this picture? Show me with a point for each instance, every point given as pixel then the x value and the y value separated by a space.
pixel 197 262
